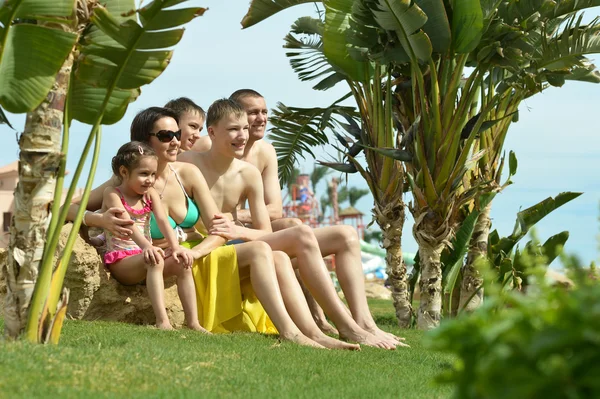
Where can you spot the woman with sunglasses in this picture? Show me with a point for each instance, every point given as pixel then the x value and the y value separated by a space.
pixel 186 197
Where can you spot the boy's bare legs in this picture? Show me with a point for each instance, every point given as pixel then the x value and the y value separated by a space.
pixel 259 258
pixel 342 241
pixel 301 243
pixel 315 310
pixel 297 307
pixel 186 291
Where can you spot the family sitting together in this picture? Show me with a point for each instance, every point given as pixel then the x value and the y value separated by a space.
pixel 173 208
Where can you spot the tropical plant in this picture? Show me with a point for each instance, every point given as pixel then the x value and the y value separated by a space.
pixel 318 173
pixel 406 65
pixel 64 60
pixel 546 343
pixel 373 235
pixel 317 50
pixel 502 254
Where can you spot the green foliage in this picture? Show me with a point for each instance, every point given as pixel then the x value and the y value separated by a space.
pixel 317 174
pixel 297 130
pixel 262 9
pixel 453 260
pixel 545 344
pixel 306 53
pixel 30 53
pixel 121 55
pixel 373 235
pixel 499 248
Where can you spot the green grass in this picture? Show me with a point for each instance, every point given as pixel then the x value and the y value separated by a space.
pixel 101 359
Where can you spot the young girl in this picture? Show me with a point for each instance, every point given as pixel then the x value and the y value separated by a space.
pixel 135 166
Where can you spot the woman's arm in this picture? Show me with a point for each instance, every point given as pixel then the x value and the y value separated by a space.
pixel 162 220
pixel 112 219
pixel 194 182
pixel 165 228
pixel 113 200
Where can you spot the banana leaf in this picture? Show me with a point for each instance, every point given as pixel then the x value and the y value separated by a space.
pixel 32 53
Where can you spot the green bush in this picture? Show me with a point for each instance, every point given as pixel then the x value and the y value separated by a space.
pixel 542 344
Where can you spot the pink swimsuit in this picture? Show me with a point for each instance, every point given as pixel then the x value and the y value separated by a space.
pixel 117 248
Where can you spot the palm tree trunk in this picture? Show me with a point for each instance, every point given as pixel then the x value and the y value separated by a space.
pixel 39 160
pixel 432 237
pixel 469 299
pixel 391 221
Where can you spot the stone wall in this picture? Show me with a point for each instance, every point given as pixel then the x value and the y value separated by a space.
pixel 94 295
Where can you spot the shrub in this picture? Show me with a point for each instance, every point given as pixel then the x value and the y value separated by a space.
pixel 545 343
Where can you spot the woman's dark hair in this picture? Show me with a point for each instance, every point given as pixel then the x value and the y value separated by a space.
pixel 129 155
pixel 144 121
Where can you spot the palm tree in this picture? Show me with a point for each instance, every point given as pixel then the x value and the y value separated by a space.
pixel 406 65
pixel 384 175
pixel 317 174
pixel 355 193
pixel 65 60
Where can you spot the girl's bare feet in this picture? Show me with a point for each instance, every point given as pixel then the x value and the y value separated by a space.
pixel 164 326
pixel 301 339
pixel 199 328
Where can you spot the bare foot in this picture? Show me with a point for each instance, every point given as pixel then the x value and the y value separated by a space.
pixel 326 327
pixel 301 339
pixel 164 326
pixel 366 338
pixel 333 343
pixel 385 335
pixel 199 328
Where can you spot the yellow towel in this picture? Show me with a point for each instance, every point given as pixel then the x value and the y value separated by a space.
pixel 225 303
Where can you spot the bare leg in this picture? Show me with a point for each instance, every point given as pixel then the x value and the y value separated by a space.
pixel 156 291
pixel 259 258
pixel 132 270
pixel 297 307
pixel 316 311
pixel 301 243
pixel 186 291
pixel 342 241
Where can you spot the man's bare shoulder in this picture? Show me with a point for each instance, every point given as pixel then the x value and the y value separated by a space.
pixel 263 155
pixel 185 167
pixel 190 158
pixel 247 170
pixel 265 148
pixel 203 144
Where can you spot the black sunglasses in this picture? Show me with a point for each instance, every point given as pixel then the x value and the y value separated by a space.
pixel 166 136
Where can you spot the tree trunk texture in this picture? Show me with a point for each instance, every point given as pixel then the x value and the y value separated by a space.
pixel 391 221
pixel 477 250
pixel 39 160
pixel 432 236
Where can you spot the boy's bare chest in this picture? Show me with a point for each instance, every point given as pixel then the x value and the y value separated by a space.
pixel 226 190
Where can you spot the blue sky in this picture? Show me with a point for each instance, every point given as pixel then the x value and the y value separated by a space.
pixel 557 139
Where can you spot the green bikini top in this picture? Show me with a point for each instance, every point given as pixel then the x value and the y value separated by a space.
pixel 189 221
